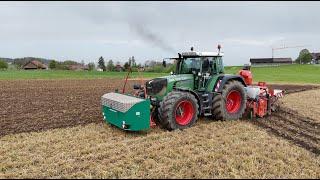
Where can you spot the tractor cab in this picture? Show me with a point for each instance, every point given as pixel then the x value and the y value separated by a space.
pixel 203 65
pixel 200 62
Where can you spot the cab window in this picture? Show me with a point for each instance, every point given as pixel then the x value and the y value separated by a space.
pixel 189 65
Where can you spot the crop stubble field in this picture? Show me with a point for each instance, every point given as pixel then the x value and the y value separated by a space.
pixel 41 137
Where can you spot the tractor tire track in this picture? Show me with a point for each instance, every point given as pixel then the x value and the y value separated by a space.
pixel 297 131
pixel 309 127
pixel 306 120
pixel 302 131
pixel 291 88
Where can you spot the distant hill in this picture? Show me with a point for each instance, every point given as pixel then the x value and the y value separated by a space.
pixel 8 60
pixel 21 61
pixel 25 59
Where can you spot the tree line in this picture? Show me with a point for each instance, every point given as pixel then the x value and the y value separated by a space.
pixel 148 66
pixel 17 63
pixel 131 63
pixel 305 57
pixel 67 65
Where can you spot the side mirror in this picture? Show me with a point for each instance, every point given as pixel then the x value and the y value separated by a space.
pixel 164 63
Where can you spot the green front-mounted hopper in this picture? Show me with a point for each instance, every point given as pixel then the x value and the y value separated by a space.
pixel 126 112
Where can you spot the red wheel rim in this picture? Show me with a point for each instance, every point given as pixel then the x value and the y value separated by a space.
pixel 233 101
pixel 184 113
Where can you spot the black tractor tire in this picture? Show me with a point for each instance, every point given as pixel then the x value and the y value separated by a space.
pixel 219 108
pixel 177 101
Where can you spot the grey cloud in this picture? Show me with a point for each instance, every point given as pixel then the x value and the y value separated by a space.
pixel 151 30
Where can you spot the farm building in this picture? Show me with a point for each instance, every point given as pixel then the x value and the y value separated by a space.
pixel 270 61
pixel 34 64
pixel 315 58
pixel 119 68
pixel 99 69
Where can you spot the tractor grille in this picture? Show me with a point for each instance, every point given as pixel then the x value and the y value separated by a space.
pixel 119 102
pixel 156 85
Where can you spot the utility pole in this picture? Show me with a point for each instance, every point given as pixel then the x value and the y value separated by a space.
pixel 284 47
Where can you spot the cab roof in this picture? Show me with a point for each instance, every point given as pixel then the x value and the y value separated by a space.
pixel 195 53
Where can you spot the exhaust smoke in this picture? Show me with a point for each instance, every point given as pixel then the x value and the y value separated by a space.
pixel 147 35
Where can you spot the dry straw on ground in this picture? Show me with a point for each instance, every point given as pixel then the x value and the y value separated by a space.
pixel 306 103
pixel 234 149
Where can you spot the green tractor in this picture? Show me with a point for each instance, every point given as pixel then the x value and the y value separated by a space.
pixel 197 87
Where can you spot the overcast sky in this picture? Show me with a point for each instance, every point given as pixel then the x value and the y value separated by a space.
pixel 156 30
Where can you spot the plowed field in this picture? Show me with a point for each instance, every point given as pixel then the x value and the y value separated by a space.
pixel 36 105
pixel 54 129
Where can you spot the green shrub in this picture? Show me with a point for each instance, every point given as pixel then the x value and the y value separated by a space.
pixel 3 65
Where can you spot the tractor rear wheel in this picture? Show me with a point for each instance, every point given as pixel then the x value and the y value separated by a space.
pixel 231 103
pixel 178 110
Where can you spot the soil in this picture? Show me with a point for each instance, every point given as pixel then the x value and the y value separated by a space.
pixel 290 125
pixel 300 128
pixel 293 88
pixel 37 105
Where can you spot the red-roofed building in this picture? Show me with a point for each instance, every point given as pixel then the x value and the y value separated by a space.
pixel 119 68
pixel 34 65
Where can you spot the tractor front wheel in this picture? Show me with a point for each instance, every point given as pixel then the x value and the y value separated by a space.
pixel 178 110
pixel 231 103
